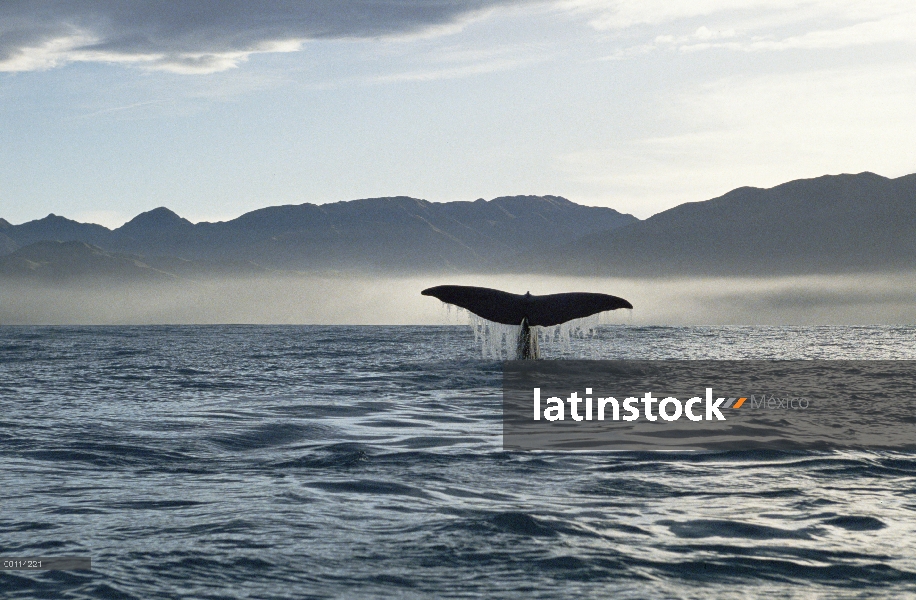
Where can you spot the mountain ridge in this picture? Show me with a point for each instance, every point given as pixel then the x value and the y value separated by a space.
pixel 828 224
pixel 389 234
pixel 847 223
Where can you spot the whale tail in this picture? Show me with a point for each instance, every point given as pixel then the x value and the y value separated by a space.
pixel 527 310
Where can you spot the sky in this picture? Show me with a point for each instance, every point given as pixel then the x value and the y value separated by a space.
pixel 213 109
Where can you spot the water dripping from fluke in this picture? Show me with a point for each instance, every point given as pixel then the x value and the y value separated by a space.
pixel 513 326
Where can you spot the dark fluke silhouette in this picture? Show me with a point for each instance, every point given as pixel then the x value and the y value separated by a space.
pixel 512 309
pixel 526 311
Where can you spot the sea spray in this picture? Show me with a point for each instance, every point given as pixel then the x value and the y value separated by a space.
pixel 500 342
pixel 496 341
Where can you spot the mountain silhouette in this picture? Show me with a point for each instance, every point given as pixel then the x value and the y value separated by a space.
pixel 55 228
pixel 830 224
pixel 156 221
pixel 395 234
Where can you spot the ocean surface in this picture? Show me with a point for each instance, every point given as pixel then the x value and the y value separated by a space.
pixel 351 462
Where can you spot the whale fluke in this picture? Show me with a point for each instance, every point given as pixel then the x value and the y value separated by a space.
pixel 513 309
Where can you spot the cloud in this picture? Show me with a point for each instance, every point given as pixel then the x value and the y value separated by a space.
pixel 205 36
pixel 752 25
pixel 621 14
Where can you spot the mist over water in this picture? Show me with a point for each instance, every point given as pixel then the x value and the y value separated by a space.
pixel 364 300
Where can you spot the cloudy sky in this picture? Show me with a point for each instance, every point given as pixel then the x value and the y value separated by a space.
pixel 113 107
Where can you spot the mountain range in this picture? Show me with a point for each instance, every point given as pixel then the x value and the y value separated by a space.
pixel 830 224
pixel 377 235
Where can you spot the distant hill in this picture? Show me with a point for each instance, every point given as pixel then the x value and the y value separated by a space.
pixel 57 229
pixel 397 234
pixel 830 224
pixel 70 261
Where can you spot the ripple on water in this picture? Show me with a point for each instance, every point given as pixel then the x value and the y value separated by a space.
pixel 295 462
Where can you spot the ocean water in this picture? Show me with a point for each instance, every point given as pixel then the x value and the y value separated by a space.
pixel 350 462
